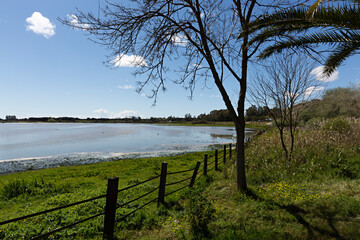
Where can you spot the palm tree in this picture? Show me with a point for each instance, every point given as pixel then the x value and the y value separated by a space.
pixel 336 26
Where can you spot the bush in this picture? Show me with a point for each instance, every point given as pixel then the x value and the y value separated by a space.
pixel 338 124
pixel 314 123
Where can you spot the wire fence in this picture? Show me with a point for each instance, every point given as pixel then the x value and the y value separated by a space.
pixel 113 193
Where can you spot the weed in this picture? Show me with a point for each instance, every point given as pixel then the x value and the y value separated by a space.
pixel 200 213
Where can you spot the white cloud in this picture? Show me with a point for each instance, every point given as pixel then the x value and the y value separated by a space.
pixel 74 21
pixel 214 96
pixel 124 60
pixel 126 87
pixel 40 25
pixel 320 76
pixel 311 90
pixel 123 114
pixel 179 39
pixel 103 113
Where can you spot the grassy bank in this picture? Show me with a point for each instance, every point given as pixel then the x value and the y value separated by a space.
pixel 33 191
pixel 314 196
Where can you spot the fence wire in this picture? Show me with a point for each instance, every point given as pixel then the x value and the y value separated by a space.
pixel 211 163
pixel 144 195
pixel 137 184
pixel 180 181
pixel 68 226
pixel 176 190
pixel 50 210
pixel 184 171
pixel 211 169
pixel 125 216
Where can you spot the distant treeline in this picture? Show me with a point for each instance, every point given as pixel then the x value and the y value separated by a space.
pixel 335 102
pixel 133 119
pixel 81 120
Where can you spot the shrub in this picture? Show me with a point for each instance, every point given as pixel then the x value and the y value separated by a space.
pixel 338 124
pixel 314 123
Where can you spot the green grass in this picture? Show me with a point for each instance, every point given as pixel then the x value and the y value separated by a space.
pixel 315 196
pixel 32 191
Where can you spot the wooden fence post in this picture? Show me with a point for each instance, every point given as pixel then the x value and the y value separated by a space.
pixel 161 198
pixel 224 153
pixel 230 151
pixel 205 164
pixel 110 209
pixel 216 160
pixel 193 178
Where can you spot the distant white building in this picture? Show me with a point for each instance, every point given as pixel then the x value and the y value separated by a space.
pixel 10 117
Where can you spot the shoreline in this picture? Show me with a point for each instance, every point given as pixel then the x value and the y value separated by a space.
pixel 35 163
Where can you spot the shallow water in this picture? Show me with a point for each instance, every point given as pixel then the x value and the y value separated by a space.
pixel 60 143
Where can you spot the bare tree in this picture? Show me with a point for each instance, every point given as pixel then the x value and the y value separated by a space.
pixel 283 88
pixel 155 34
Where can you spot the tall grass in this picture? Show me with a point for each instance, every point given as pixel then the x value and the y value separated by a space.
pixel 17 187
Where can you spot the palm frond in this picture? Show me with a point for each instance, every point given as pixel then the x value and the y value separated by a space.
pixel 339 56
pixel 330 37
pixel 343 17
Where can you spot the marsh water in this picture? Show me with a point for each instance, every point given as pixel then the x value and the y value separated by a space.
pixel 56 141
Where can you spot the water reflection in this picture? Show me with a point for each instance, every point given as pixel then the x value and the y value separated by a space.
pixel 31 140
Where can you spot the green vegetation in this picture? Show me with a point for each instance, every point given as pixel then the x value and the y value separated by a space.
pixel 335 102
pixel 33 191
pixel 316 195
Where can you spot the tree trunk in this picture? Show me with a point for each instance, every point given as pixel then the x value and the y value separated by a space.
pixel 240 157
pixel 292 126
pixel 283 143
pixel 292 135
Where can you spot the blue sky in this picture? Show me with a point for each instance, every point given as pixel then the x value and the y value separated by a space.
pixel 53 70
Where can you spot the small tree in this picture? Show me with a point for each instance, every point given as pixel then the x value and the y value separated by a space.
pixel 288 82
pixel 188 117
